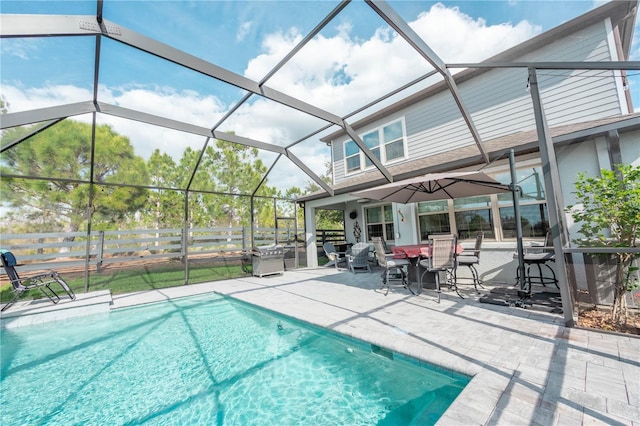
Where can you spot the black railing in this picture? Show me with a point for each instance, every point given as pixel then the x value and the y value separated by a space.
pixel 333 236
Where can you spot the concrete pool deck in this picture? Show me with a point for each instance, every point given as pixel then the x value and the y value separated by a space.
pixel 527 367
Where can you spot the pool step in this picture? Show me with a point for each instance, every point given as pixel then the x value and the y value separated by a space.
pixel 29 312
pixel 381 351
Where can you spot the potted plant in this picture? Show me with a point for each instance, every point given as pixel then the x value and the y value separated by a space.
pixel 608 212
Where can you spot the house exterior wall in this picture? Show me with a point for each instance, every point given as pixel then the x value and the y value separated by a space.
pixel 589 156
pixel 500 104
pixel 630 148
pixel 498 264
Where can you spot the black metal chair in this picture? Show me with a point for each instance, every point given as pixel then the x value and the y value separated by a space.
pixel 41 282
pixel 539 259
pixel 471 258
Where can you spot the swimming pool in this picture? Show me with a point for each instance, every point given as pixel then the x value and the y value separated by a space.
pixel 210 360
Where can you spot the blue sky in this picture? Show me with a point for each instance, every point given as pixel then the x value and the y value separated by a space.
pixel 250 37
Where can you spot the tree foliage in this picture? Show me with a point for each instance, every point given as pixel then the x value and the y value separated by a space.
pixel 238 170
pixel 609 215
pixel 46 181
pixel 61 157
pixel 164 207
pixel 326 219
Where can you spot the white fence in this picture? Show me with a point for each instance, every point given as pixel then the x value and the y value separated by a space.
pixel 70 250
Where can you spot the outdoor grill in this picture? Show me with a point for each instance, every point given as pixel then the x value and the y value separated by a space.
pixel 268 260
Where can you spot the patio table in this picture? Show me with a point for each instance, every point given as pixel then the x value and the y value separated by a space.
pixel 414 253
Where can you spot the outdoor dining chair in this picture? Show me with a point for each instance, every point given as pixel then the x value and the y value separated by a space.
pixel 441 259
pixel 471 258
pixel 358 258
pixel 41 282
pixel 389 264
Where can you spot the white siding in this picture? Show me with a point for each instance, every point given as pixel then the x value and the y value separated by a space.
pixel 500 104
pixel 501 98
pixel 338 161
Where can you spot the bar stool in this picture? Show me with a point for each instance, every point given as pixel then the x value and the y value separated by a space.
pixel 471 258
pixel 539 260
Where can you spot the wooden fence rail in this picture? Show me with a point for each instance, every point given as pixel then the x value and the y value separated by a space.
pixel 63 250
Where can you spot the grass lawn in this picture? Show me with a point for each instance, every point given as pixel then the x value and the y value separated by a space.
pixel 139 279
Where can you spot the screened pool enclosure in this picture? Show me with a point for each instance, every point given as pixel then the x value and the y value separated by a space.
pixel 167 139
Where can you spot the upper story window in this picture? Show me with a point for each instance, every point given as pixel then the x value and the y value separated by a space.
pixel 351 156
pixel 387 143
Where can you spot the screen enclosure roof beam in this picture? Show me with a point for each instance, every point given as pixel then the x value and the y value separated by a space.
pixel 22 118
pixel 405 31
pixel 47 25
pixel 604 65
pixel 179 57
pixel 309 172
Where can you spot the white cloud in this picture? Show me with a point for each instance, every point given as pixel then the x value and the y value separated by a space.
pixel 18 47
pixel 243 30
pixel 468 39
pixel 27 98
pixel 380 64
pixel 186 105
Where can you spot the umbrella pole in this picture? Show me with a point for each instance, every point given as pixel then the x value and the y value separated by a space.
pixel 515 191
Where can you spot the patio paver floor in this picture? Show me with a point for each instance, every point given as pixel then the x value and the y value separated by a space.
pixel 527 367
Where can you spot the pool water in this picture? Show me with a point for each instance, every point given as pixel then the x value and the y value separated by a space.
pixel 210 360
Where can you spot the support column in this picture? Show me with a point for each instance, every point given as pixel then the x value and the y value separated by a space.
pixel 310 236
pixel 555 203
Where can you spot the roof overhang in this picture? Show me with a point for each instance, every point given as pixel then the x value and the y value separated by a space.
pixel 521 142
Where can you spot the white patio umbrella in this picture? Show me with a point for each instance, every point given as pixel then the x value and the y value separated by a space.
pixel 435 186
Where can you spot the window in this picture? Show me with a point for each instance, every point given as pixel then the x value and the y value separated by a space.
pixel 534 218
pixel 473 215
pixel 351 156
pixel 393 141
pixel 533 207
pixel 386 143
pixel 433 218
pixel 372 141
pixel 380 222
pixel 491 214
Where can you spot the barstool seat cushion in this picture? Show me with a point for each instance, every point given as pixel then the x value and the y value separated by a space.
pixel 467 259
pixel 396 263
pixel 538 257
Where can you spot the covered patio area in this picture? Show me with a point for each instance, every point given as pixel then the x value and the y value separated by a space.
pixel 528 368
